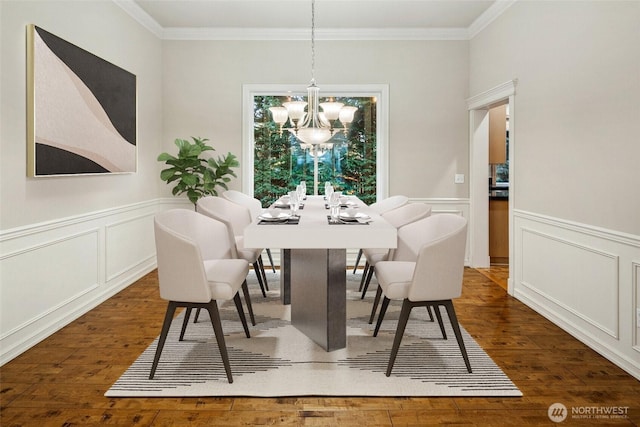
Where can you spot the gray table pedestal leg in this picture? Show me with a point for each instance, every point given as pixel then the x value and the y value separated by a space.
pixel 318 295
pixel 285 276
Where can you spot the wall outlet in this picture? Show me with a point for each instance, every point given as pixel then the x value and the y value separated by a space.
pixel 459 178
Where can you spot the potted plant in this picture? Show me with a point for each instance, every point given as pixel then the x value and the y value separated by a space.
pixel 195 175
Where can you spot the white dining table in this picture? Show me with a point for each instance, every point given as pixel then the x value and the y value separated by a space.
pixel 313 264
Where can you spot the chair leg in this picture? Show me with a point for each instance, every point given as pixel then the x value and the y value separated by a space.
pixel 364 275
pixel 376 301
pixel 264 274
pixel 383 311
pixel 212 307
pixel 355 267
pixel 195 319
pixel 439 317
pixel 366 284
pixel 430 313
pixel 168 317
pixel 256 269
pixel 273 267
pixel 402 324
pixel 247 300
pixel 185 321
pixel 243 319
pixel 456 330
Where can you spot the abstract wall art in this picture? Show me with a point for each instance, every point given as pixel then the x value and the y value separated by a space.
pixel 81 110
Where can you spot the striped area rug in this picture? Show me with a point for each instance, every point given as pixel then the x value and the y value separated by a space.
pixel 278 360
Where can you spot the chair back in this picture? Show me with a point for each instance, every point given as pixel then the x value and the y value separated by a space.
pixel 232 214
pixel 253 204
pixel 406 214
pixel 440 264
pixel 389 203
pixel 184 239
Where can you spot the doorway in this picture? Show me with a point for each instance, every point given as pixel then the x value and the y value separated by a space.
pixel 478 107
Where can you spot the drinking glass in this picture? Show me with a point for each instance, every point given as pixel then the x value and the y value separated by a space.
pixel 328 190
pixel 300 192
pixel 303 184
pixel 293 202
pixel 334 205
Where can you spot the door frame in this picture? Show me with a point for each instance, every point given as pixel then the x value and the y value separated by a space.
pixel 478 106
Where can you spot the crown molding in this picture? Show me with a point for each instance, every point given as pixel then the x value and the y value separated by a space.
pixel 489 15
pixel 327 34
pixel 143 18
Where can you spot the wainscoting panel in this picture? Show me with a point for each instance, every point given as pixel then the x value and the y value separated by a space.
pixel 581 278
pixel 52 273
pixel 129 243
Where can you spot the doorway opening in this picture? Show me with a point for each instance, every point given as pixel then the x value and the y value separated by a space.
pixel 480 186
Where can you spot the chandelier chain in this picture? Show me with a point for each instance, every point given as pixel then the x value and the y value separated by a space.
pixel 313 42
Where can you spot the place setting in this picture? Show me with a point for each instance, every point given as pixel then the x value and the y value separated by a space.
pixel 350 216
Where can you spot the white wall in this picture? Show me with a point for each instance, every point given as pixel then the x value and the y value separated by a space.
pixel 427 83
pixel 576 223
pixel 68 243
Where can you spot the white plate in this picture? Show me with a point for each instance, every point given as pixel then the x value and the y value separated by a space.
pixel 353 215
pixel 273 215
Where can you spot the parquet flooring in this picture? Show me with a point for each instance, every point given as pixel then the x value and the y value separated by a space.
pixel 61 381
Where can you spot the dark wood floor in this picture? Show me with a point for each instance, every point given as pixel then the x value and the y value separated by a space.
pixel 61 381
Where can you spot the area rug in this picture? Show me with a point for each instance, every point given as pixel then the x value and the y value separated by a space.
pixel 278 360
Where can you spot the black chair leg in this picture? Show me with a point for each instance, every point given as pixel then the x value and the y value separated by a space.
pixel 273 267
pixel 212 307
pixel 439 317
pixel 256 269
pixel 264 274
pixel 430 313
pixel 364 276
pixel 355 267
pixel 376 301
pixel 366 283
pixel 383 311
pixel 168 317
pixel 185 321
pixel 195 319
pixel 243 319
pixel 456 330
pixel 247 300
pixel 402 324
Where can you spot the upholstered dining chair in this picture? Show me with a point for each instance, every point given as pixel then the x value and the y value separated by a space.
pixel 383 206
pixel 236 218
pixel 398 217
pixel 196 270
pixel 434 279
pixel 255 208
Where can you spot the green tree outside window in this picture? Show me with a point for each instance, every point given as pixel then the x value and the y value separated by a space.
pixel 280 164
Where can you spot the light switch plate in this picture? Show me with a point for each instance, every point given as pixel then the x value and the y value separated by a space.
pixel 459 178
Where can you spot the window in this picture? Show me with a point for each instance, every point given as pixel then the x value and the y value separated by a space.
pixel 355 165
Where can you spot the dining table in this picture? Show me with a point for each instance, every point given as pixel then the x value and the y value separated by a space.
pixel 313 259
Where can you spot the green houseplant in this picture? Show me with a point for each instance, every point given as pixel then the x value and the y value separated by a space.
pixel 196 175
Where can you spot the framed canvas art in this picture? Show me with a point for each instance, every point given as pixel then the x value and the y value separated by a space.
pixel 82 116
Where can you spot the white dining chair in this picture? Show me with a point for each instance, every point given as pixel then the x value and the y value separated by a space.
pixel 381 207
pixel 255 208
pixel 398 217
pixel 434 279
pixel 196 270
pixel 236 218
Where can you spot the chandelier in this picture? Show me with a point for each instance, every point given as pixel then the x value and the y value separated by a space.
pixel 313 128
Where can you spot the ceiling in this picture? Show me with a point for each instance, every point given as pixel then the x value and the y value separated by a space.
pixel 334 19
